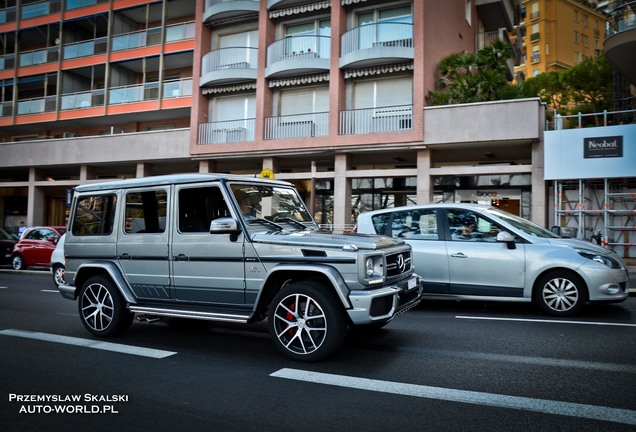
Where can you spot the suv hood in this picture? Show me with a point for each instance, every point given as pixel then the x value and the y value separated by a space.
pixel 328 239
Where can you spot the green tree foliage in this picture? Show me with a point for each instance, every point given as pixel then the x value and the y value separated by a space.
pixel 586 87
pixel 474 77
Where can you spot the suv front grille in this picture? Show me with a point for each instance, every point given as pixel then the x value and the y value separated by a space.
pixel 398 263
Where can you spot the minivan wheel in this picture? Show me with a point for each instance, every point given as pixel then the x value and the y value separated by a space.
pixel 58 274
pixel 560 293
pixel 305 322
pixel 102 309
pixel 17 262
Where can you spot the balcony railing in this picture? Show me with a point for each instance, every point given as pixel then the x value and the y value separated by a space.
pixel 36 57
pixel 377 36
pixel 74 4
pixel 177 88
pixel 82 100
pixel 230 58
pixel 33 10
pixel 622 18
pixel 36 105
pixel 134 93
pixel 8 15
pixel 299 47
pixel 7 61
pixel 297 126
pixel 152 36
pixel 229 131
pixel 374 120
pixel 85 48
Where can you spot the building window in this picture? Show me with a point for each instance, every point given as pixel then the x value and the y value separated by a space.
pixel 577 57
pixel 536 56
pixel 576 16
pixel 534 11
pixel 309 37
pixel 469 12
pixel 576 37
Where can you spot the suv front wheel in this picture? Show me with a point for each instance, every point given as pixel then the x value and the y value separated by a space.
pixel 305 322
pixel 102 308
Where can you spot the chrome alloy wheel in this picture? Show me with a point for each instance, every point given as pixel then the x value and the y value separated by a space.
pixel 97 307
pixel 300 324
pixel 560 294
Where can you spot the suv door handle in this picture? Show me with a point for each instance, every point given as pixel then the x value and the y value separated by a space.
pixel 181 257
pixel 458 255
pixel 124 256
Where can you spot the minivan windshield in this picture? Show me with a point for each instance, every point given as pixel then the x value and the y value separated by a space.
pixel 521 224
pixel 277 204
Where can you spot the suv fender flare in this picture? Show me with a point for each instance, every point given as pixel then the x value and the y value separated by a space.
pixel 111 270
pixel 335 278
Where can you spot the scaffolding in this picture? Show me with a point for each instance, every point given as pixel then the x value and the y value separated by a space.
pixel 599 210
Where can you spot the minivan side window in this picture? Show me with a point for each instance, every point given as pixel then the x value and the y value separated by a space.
pixel 94 215
pixel 199 206
pixel 146 212
pixel 415 224
pixel 466 225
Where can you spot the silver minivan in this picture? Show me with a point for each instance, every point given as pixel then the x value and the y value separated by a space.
pixel 476 252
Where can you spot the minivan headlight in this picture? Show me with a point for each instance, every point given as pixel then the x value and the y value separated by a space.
pixel 599 258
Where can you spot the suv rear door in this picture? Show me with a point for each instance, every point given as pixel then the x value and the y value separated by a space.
pixel 142 248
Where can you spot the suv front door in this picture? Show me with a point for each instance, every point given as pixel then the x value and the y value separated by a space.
pixel 206 267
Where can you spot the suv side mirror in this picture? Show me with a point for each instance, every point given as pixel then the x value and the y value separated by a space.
pixel 225 225
pixel 506 237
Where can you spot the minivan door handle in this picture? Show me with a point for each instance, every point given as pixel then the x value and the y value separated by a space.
pixel 458 255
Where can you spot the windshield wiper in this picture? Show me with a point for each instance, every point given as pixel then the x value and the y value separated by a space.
pixel 263 222
pixel 291 221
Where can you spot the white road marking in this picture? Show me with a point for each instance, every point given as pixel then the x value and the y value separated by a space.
pixel 593 412
pixel 89 343
pixel 547 321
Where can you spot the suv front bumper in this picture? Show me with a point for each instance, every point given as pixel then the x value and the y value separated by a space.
pixel 384 303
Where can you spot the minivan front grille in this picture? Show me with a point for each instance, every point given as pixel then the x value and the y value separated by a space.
pixel 398 263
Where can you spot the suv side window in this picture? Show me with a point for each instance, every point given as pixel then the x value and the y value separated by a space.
pixel 146 212
pixel 198 206
pixel 381 222
pixel 94 215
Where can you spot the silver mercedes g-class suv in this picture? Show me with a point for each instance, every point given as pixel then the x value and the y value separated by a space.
pixel 228 248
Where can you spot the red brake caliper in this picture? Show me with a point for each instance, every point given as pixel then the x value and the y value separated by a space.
pixel 290 316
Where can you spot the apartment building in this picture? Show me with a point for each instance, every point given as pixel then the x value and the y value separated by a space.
pixel 329 94
pixel 559 34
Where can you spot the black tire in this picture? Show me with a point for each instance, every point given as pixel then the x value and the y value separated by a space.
pixel 306 322
pixel 102 309
pixel 560 293
pixel 58 273
pixel 17 262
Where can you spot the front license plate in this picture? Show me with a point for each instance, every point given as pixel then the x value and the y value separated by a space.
pixel 412 283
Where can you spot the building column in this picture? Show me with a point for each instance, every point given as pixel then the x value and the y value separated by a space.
pixel 35 200
pixel 538 207
pixel 143 169
pixel 271 163
pixel 86 173
pixel 424 182
pixel 341 191
pixel 207 166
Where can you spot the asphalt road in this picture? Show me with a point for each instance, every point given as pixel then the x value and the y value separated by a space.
pixel 445 366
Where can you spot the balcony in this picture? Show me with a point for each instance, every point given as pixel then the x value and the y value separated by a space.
pixel 85 48
pixel 221 10
pixel 229 65
pixel 297 126
pixel 620 43
pixel 298 55
pixel 152 36
pixel 7 62
pixel 279 4
pixel 41 8
pixel 495 14
pixel 230 131
pixel 377 44
pixel 376 120
pixel 8 15
pixel 37 57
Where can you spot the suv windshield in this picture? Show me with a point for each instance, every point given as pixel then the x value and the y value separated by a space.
pixel 522 225
pixel 273 203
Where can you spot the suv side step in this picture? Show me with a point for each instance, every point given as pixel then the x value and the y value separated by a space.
pixel 184 313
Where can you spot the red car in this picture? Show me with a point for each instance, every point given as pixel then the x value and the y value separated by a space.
pixel 36 246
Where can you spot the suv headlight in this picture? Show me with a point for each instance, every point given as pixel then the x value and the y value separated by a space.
pixel 599 258
pixel 374 269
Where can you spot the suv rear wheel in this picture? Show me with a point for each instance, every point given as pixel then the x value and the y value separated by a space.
pixel 305 322
pixel 102 308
